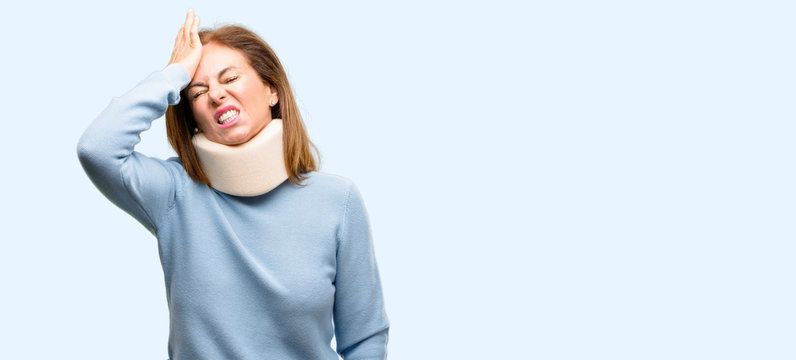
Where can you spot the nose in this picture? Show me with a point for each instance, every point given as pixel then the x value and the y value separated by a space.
pixel 217 94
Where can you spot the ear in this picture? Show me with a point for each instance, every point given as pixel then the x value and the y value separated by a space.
pixel 273 96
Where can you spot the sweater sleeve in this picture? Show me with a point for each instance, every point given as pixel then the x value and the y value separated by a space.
pixel 142 186
pixel 360 321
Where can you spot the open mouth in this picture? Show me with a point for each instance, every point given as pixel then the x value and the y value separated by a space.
pixel 227 116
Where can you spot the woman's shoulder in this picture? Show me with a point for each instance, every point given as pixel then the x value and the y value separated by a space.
pixel 329 192
pixel 323 181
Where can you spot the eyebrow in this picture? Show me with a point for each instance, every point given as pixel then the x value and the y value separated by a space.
pixel 220 74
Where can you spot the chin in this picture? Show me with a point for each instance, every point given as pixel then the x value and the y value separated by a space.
pixel 237 137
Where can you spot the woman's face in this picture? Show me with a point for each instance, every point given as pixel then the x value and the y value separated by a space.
pixel 230 102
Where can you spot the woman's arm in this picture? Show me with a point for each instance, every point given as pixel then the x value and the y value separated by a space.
pixel 361 323
pixel 142 186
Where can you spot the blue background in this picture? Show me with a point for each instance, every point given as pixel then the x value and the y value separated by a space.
pixel 547 180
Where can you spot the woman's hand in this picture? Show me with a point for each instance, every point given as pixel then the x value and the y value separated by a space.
pixel 187 47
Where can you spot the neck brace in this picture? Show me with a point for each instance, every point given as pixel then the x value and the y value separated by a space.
pixel 249 169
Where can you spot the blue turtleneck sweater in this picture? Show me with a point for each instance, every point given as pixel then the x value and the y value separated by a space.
pixel 265 277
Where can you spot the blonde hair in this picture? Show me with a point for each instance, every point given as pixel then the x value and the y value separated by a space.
pixel 301 155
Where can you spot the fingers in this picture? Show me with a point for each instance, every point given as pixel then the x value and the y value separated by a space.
pixel 182 35
pixel 188 45
pixel 178 41
pixel 188 19
pixel 190 29
pixel 177 45
pixel 195 32
pixel 186 27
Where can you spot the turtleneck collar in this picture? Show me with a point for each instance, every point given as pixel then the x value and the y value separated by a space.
pixel 249 169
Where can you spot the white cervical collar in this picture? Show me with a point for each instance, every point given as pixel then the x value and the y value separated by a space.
pixel 249 169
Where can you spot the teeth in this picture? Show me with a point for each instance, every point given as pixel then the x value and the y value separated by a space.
pixel 227 116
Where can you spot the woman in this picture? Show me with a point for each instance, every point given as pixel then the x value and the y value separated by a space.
pixel 263 256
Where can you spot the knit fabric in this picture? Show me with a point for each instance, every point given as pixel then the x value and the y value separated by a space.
pixel 264 277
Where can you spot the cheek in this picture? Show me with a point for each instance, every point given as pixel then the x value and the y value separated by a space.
pixel 257 100
pixel 199 111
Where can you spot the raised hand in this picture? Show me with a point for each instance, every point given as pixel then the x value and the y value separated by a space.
pixel 187 47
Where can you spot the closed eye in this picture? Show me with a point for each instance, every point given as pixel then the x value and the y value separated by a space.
pixel 198 94
pixel 230 79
